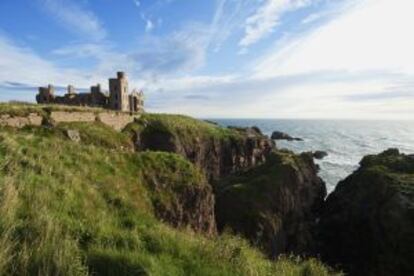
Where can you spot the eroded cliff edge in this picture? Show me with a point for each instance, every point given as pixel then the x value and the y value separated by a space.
pixel 367 223
pixel 275 205
pixel 268 196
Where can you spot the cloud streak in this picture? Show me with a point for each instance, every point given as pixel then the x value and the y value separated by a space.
pixel 75 18
pixel 267 17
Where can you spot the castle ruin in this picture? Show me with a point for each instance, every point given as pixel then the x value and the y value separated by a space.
pixel 118 97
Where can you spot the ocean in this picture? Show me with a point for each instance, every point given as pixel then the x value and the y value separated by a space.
pixel 346 141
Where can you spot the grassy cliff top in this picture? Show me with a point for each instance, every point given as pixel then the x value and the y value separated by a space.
pixel 180 125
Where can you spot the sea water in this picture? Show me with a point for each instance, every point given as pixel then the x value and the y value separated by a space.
pixel 345 141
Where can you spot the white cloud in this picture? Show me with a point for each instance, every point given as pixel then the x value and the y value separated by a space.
pixel 267 17
pixel 149 25
pixel 20 64
pixel 137 3
pixel 374 35
pixel 228 17
pixel 75 18
pixel 22 70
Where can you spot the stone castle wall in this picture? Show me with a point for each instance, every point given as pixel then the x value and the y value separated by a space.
pixel 117 121
pixel 33 119
pixel 118 97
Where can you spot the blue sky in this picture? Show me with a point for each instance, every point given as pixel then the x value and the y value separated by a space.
pixel 219 58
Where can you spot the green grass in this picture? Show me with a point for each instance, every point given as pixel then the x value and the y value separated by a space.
pixel 181 126
pixel 87 208
pixel 99 134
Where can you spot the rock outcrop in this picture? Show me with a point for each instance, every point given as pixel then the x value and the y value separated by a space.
pixel 319 154
pixel 367 225
pixel 181 195
pixel 278 135
pixel 274 205
pixel 218 151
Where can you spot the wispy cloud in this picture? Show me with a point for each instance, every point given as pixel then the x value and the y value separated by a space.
pixel 149 24
pixel 228 18
pixel 267 17
pixel 75 18
pixel 179 52
pixel 22 70
pixel 359 39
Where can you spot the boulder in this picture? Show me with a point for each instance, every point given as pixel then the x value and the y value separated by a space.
pixel 319 154
pixel 278 135
pixel 274 205
pixel 73 135
pixel 367 223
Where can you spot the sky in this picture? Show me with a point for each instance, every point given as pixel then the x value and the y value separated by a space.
pixel 329 59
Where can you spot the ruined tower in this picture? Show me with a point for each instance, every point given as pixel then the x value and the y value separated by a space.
pixel 117 99
pixel 98 97
pixel 118 92
pixel 136 101
pixel 46 94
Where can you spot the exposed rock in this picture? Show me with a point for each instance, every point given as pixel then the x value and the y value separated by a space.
pixel 319 154
pixel 367 226
pixel 278 135
pixel 218 151
pixel 274 205
pixel 188 202
pixel 73 135
pixel 211 122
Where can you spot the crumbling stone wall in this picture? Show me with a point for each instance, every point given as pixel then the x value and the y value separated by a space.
pixel 32 119
pixel 118 121
pixel 67 117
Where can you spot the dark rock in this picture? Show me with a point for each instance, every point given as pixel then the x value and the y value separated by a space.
pixel 278 135
pixel 367 224
pixel 319 154
pixel 257 130
pixel 218 156
pixel 187 205
pixel 274 205
pixel 211 122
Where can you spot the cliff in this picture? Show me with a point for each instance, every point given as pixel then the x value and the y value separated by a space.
pixel 218 151
pixel 367 224
pixel 269 196
pixel 274 205
pixel 79 198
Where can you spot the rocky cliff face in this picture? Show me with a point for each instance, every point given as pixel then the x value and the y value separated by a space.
pixel 367 225
pixel 274 205
pixel 218 151
pixel 179 192
pixel 271 197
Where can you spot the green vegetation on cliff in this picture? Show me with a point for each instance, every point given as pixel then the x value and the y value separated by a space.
pixel 92 208
pixel 367 225
pixel 273 203
pixel 180 125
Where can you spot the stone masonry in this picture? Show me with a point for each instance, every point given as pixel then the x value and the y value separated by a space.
pixel 118 97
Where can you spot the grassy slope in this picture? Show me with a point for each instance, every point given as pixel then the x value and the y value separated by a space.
pixel 78 209
pixel 186 126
